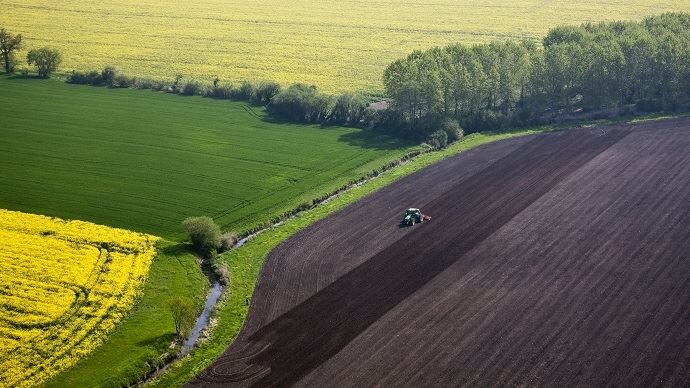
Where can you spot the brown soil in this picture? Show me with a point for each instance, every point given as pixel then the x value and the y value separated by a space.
pixel 557 259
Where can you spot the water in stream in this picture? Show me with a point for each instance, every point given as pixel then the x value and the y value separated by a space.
pixel 214 293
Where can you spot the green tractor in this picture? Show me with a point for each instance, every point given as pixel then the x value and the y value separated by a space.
pixel 413 216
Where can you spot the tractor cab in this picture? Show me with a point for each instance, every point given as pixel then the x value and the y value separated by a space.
pixel 411 217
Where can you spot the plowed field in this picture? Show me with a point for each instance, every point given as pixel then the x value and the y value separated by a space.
pixel 556 259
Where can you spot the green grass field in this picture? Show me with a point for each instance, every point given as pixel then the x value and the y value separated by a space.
pixel 145 160
pixel 337 45
pixel 147 331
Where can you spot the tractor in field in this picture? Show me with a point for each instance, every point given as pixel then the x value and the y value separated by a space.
pixel 413 216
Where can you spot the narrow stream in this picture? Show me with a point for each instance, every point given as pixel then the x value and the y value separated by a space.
pixel 214 293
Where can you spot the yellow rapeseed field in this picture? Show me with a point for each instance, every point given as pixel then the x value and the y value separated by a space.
pixel 64 285
pixel 335 44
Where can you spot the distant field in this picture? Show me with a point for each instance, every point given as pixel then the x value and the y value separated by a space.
pixel 144 160
pixel 65 286
pixel 337 45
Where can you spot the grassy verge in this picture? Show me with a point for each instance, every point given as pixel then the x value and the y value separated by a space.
pixel 139 341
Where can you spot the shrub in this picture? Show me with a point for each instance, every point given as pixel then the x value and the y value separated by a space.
pixel 220 91
pixel 452 129
pixel 192 88
pixel 108 75
pixel 83 78
pixel 122 81
pixel 227 241
pixel 244 92
pixel 204 235
pixel 349 109
pixel 265 91
pixel 300 103
pixel 438 139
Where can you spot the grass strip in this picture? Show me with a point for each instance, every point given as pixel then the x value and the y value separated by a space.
pixel 140 342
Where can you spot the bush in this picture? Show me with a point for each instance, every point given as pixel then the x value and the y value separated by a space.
pixel 349 109
pixel 220 91
pixel 300 103
pixel 227 241
pixel 204 235
pixel 244 92
pixel 452 129
pixel 192 88
pixel 265 91
pixel 83 78
pixel 122 81
pixel 144 83
pixel 438 139
pixel 108 75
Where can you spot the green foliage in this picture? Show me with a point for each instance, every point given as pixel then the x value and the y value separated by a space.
pixel 192 88
pixel 265 91
pixel 183 313
pixel 350 108
pixel 204 235
pixel 606 67
pixel 300 103
pixel 9 44
pixel 145 161
pixel 452 129
pixel 46 60
pixel 108 75
pixel 227 241
pixel 438 139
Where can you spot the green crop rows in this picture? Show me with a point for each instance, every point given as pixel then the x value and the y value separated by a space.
pixel 144 160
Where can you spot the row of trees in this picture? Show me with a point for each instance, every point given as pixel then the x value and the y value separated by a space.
pixel 575 69
pixel 45 59
pixel 297 103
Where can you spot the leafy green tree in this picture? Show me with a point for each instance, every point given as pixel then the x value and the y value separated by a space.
pixel 183 316
pixel 46 60
pixel 349 109
pixel 204 234
pixel 9 44
pixel 577 68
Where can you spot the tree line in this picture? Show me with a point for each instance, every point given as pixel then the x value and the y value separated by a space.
pixel 587 71
pixel 615 67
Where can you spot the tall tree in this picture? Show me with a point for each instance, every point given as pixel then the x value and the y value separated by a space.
pixel 8 45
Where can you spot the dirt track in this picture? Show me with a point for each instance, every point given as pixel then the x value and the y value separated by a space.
pixel 557 259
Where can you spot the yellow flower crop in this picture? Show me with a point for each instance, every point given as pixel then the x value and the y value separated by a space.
pixel 337 45
pixel 64 285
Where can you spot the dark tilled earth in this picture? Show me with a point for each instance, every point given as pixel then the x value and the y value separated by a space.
pixel 560 259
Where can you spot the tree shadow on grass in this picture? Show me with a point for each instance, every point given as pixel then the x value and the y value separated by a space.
pixel 373 140
pixel 15 76
pixel 177 250
pixel 158 342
